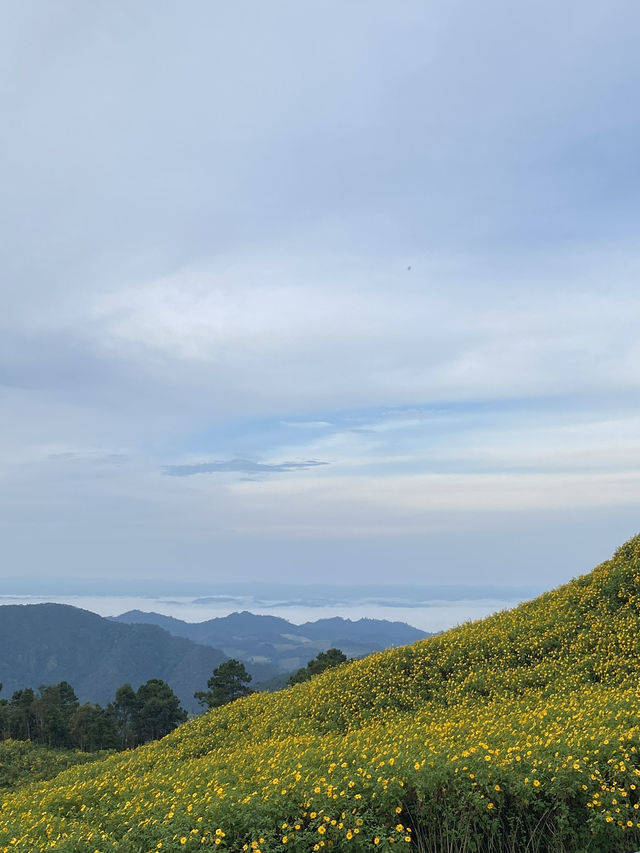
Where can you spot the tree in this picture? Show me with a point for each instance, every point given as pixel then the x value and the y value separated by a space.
pixel 227 684
pixel 92 728
pixel 4 717
pixel 54 716
pixel 124 708
pixel 53 710
pixel 158 711
pixel 322 661
pixel 146 714
pixel 21 714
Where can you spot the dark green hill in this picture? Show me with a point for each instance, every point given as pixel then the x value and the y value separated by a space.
pixel 49 643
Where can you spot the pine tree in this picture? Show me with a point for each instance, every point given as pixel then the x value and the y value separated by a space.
pixel 227 684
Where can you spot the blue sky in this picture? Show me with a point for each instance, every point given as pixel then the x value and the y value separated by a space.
pixel 341 291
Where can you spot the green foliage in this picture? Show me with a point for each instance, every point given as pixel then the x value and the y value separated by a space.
pixel 516 733
pixel 21 715
pixel 227 684
pixel 93 728
pixel 123 708
pixel 53 710
pixel 158 711
pixel 150 713
pixel 54 717
pixel 322 661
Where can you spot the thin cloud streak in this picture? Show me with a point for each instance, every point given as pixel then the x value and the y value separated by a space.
pixel 243 466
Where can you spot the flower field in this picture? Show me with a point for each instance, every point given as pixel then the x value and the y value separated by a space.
pixel 520 732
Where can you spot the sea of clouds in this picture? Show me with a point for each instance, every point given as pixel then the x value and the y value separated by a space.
pixel 428 615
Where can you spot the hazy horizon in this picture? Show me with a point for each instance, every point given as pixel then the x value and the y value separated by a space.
pixel 428 615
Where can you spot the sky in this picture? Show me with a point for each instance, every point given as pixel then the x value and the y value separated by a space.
pixel 337 292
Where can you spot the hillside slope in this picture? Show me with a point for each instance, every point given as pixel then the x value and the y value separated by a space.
pixel 23 761
pixel 518 732
pixel 49 643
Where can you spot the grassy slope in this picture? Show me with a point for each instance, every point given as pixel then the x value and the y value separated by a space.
pixel 521 729
pixel 24 762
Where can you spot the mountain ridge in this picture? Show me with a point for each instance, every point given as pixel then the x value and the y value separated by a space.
pixel 286 646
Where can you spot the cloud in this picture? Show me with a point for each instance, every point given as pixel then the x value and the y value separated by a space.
pixel 304 336
pixel 96 457
pixel 353 506
pixel 306 424
pixel 244 466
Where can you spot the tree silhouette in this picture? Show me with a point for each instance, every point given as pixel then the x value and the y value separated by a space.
pixel 53 710
pixel 124 708
pixel 227 684
pixel 21 712
pixel 158 711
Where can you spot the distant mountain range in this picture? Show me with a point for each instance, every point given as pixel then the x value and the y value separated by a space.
pixel 271 643
pixel 48 643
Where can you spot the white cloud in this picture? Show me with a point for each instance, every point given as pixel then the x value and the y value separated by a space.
pixel 392 505
pixel 329 332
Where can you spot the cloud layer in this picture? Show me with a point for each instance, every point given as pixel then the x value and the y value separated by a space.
pixel 375 270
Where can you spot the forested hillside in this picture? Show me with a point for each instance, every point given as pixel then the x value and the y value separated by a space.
pixel 49 643
pixel 518 732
